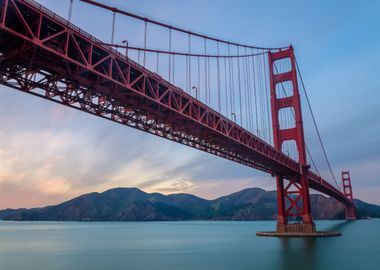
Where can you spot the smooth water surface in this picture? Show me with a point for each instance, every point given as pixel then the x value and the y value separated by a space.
pixel 183 245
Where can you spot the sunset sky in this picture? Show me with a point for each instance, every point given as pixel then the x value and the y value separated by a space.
pixel 50 153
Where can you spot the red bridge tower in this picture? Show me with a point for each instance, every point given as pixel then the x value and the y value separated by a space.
pixel 293 195
pixel 347 189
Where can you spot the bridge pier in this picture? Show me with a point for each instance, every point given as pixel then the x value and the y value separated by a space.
pixel 350 213
pixel 295 228
pixel 293 202
pixel 299 230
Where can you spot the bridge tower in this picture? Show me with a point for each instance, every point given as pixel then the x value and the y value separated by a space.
pixel 347 190
pixel 293 196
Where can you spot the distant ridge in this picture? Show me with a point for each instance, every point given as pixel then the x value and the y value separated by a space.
pixel 132 204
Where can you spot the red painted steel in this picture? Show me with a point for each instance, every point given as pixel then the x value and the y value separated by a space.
pixel 293 198
pixel 44 55
pixel 347 190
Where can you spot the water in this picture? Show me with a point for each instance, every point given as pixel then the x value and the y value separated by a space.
pixel 183 245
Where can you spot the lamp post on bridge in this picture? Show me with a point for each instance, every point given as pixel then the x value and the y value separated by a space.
pixel 233 115
pixel 70 10
pixel 126 47
pixel 196 91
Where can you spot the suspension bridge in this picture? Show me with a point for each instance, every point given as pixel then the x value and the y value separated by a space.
pixel 235 101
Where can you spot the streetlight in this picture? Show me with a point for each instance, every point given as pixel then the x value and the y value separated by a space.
pixel 126 47
pixel 233 116
pixel 70 10
pixel 196 91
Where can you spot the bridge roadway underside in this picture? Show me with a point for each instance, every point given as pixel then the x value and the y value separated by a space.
pixel 52 59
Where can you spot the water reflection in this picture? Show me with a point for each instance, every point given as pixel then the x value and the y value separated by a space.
pixel 340 226
pixel 298 252
pixel 302 253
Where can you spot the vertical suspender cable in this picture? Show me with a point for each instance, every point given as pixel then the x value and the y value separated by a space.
pixel 258 96
pixel 248 89
pixel 225 86
pixel 189 63
pixel 205 52
pixel 197 94
pixel 230 81
pixel 113 27
pixel 266 97
pixel 255 95
pixel 209 80
pixel 261 101
pixel 187 73
pixel 251 87
pixel 218 78
pixel 170 55
pixel 262 110
pixel 245 92
pixel 249 94
pixel 158 62
pixel 239 85
pixel 233 107
pixel 173 69
pixel 249 108
pixel 145 36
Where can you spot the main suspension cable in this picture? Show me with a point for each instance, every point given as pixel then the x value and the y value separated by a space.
pixel 315 125
pixel 168 26
pixel 170 52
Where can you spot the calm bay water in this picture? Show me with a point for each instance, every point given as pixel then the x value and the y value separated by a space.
pixel 183 245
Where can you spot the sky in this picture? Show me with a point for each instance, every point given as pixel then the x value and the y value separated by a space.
pixel 50 153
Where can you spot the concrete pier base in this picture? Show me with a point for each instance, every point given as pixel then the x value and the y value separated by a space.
pixel 297 230
pixel 299 234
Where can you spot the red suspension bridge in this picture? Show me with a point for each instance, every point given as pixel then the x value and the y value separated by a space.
pixel 236 101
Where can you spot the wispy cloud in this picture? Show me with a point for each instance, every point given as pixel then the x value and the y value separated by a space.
pixel 66 153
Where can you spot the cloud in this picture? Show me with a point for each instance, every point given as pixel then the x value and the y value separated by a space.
pixel 26 195
pixel 67 153
pixel 171 186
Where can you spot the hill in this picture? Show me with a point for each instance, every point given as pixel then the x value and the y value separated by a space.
pixel 132 204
